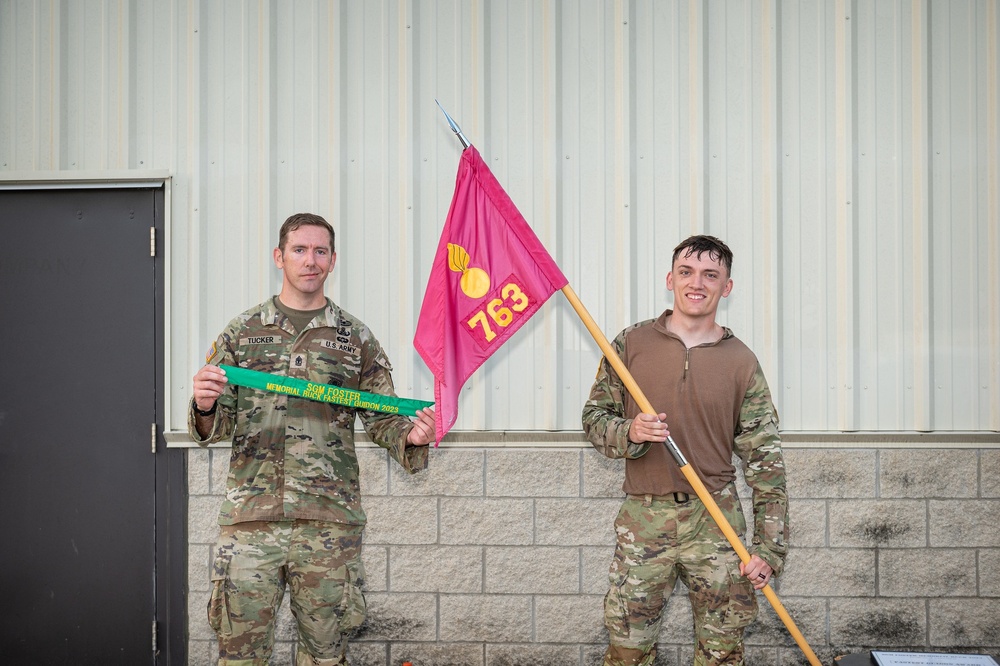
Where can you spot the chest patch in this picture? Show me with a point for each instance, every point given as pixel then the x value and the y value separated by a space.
pixel 257 340
pixel 344 347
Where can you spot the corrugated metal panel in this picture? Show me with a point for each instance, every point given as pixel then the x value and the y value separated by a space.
pixel 848 152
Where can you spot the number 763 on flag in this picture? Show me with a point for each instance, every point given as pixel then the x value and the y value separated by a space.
pixel 508 305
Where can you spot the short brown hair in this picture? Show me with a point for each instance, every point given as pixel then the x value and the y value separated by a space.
pixel 303 220
pixel 699 245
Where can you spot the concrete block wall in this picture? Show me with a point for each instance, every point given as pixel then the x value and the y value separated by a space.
pixel 499 556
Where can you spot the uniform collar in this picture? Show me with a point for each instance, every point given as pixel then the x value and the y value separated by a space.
pixel 660 326
pixel 270 315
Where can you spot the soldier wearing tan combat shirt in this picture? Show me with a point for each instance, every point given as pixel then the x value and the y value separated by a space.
pixel 709 388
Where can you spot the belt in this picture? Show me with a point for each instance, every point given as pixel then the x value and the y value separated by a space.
pixel 678 498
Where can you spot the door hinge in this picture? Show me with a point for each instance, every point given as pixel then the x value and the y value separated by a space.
pixel 152 437
pixel 152 241
pixel 154 638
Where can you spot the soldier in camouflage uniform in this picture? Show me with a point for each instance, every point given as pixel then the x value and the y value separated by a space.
pixel 718 402
pixel 292 512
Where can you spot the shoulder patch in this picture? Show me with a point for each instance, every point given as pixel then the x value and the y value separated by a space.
pixel 214 356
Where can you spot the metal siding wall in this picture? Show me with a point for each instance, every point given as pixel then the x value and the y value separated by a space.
pixel 848 152
pixel 989 334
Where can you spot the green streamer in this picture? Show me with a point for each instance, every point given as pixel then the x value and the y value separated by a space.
pixel 337 395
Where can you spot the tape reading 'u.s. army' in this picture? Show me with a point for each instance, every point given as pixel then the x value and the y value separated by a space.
pixel 337 395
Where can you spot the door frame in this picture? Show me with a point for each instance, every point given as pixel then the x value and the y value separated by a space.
pixel 170 534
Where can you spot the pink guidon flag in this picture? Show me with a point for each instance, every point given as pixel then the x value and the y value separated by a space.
pixel 490 274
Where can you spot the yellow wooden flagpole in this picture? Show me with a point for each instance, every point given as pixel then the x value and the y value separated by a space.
pixel 686 469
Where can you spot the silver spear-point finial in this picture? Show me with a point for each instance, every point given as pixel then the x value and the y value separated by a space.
pixel 454 127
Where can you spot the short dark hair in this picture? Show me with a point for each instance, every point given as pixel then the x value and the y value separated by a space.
pixel 303 220
pixel 699 245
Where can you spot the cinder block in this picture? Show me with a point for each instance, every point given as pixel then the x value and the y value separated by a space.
pixel 203 519
pixel 809 615
pixel 833 572
pixel 368 653
pixel 450 473
pixel 532 473
pixel 927 473
pixel 969 523
pixel 927 572
pixel 830 473
pixel 882 622
pixel 602 476
pixel 532 570
pixel 376 563
pixel 760 656
pixel 521 654
pixel 892 523
pixel 576 522
pixel 745 493
pixel 436 569
pixel 495 618
pixel 202 652
pixel 401 520
pixel 593 655
pixel 434 654
pixel 806 523
pixel 400 617
pixel 989 472
pixel 672 655
pixel 373 471
pixel 198 627
pixel 596 563
pixel 989 572
pixel 795 657
pixel 486 521
pixel 284 654
pixel 570 619
pixel 199 566
pixel 285 628
pixel 973 623
pixel 198 472
pixel 220 469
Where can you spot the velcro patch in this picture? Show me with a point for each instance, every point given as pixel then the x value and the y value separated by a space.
pixel 260 340
pixel 214 356
pixel 340 346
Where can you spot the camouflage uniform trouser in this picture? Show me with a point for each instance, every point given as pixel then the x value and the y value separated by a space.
pixel 659 540
pixel 321 562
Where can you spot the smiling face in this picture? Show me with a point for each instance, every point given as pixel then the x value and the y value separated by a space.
pixel 306 260
pixel 699 282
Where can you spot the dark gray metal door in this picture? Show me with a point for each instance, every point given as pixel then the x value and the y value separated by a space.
pixel 77 407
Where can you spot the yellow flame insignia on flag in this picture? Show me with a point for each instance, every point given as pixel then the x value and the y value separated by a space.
pixel 475 282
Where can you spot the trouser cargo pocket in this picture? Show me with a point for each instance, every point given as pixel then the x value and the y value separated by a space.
pixel 219 610
pixel 353 604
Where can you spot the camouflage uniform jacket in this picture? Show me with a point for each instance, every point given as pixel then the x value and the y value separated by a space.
pixel 294 458
pixel 717 402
